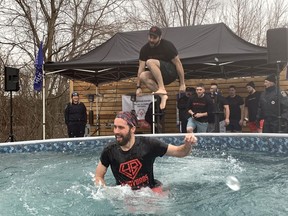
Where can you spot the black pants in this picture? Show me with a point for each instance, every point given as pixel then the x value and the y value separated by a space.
pixel 271 125
pixel 76 129
pixel 184 126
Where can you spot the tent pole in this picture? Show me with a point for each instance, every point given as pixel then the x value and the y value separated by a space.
pixel 153 114
pixel 44 106
pixel 97 112
pixel 278 97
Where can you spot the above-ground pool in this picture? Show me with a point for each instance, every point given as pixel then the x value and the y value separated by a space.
pixel 55 177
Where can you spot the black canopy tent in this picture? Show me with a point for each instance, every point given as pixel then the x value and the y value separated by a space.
pixel 206 51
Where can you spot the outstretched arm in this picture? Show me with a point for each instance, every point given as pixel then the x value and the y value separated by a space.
pixel 100 173
pixel 184 149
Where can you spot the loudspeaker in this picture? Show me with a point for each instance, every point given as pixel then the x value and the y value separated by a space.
pixel 277 45
pixel 11 79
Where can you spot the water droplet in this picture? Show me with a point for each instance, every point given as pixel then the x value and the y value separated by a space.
pixel 233 183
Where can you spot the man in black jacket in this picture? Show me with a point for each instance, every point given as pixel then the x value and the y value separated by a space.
pixel 269 110
pixel 75 117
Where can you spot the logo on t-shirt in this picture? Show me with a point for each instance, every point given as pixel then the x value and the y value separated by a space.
pixel 130 168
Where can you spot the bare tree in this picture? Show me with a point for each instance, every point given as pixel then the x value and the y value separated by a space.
pixel 68 28
pixel 250 19
pixel 177 13
pixel 277 14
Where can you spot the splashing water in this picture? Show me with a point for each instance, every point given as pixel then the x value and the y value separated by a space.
pixel 233 183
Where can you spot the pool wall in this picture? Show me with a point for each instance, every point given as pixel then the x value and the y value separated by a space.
pixel 271 143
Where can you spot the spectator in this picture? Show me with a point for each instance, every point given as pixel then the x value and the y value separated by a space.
pixel 268 108
pixel 236 106
pixel 220 108
pixel 182 107
pixel 199 107
pixel 75 117
pixel 250 109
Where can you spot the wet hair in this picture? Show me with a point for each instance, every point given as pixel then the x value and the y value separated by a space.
pixel 129 117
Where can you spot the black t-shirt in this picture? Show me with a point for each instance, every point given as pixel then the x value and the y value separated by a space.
pixel 165 51
pixel 134 167
pixel 182 106
pixel 234 106
pixel 218 106
pixel 201 105
pixel 252 103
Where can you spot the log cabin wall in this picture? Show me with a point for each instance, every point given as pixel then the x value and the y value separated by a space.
pixel 109 99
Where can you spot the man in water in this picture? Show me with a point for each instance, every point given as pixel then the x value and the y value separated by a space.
pixel 163 64
pixel 132 157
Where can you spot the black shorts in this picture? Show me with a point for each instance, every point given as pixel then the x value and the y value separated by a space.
pixel 168 71
pixel 234 126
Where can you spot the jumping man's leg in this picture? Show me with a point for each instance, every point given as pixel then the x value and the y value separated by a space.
pixel 154 66
pixel 164 98
pixel 148 79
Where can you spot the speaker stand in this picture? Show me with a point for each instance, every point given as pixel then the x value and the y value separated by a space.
pixel 278 97
pixel 216 113
pixel 11 137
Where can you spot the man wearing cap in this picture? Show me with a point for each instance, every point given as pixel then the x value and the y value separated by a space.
pixel 159 65
pixel 75 117
pixel 132 157
pixel 274 122
pixel 250 109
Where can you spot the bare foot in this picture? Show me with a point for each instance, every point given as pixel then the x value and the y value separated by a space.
pixel 164 98
pixel 160 92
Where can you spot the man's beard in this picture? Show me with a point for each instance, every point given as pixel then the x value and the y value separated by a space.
pixel 153 45
pixel 125 139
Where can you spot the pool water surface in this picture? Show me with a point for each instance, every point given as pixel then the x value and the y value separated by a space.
pixel 49 183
